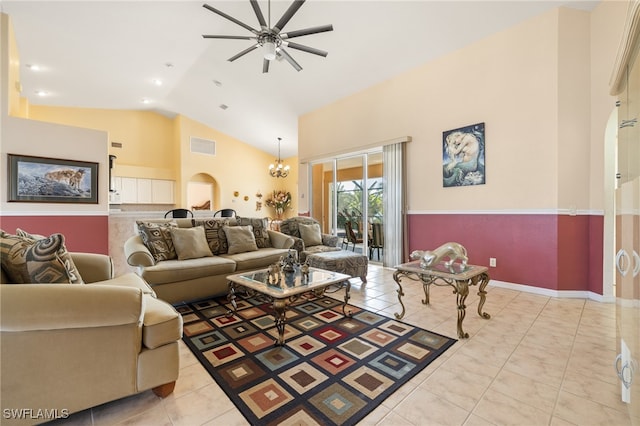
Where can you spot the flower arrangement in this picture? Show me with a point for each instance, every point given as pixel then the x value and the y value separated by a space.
pixel 279 200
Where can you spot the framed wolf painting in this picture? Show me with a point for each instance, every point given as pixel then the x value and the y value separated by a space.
pixel 51 180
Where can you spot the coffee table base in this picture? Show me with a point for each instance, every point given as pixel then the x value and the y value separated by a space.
pixel 281 304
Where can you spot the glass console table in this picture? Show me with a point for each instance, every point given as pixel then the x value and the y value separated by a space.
pixel 456 276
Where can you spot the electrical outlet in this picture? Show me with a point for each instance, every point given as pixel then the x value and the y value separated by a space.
pixel 492 262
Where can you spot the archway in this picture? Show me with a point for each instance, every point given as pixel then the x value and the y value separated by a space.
pixel 201 192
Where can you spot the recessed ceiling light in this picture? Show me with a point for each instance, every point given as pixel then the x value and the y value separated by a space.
pixel 223 106
pixel 41 93
pixel 168 65
pixel 217 83
pixel 145 101
pixel 33 67
pixel 157 81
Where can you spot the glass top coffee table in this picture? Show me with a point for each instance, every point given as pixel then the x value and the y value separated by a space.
pixel 290 287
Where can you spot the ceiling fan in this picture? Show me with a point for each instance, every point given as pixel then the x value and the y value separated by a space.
pixel 272 39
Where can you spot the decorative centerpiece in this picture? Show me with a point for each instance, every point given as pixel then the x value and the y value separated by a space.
pixel 304 271
pixel 280 201
pixel 289 262
pixel 450 251
pixel 273 273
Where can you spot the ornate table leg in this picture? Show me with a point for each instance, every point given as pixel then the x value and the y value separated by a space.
pixel 346 300
pixel 232 298
pixel 396 277
pixel 280 316
pixel 426 284
pixel 484 280
pixel 462 290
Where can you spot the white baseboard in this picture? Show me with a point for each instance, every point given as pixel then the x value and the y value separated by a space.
pixel 563 294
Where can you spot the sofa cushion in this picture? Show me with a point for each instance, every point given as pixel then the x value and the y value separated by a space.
pixel 310 234
pixel 216 238
pixel 259 259
pixel 190 243
pixel 38 261
pixel 315 250
pixel 240 238
pixel 157 238
pixel 171 271
pixel 260 230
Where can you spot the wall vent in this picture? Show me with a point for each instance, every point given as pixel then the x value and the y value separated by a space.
pixel 203 146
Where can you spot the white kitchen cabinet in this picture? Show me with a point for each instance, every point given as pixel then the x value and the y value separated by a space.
pixel 143 190
pixel 162 191
pixel 129 190
pixel 145 195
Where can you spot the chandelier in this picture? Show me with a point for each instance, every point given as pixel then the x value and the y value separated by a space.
pixel 278 169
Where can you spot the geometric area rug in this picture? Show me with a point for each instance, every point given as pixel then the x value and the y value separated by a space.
pixel 333 370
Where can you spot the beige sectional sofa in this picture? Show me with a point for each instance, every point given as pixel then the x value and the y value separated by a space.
pixel 68 347
pixel 172 259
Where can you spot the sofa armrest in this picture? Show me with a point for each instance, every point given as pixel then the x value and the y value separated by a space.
pixel 330 240
pixel 280 240
pixel 93 267
pixel 30 307
pixel 136 253
pixel 298 244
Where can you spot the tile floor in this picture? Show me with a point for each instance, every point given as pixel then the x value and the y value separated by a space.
pixel 537 361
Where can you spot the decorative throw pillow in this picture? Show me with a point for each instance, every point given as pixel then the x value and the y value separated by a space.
pixel 28 235
pixel 190 243
pixel 310 234
pixel 240 239
pixel 12 257
pixel 260 227
pixel 216 238
pixel 157 238
pixel 38 261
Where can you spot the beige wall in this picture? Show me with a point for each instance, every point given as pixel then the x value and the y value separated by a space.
pixel 154 146
pixel 146 137
pixel 530 84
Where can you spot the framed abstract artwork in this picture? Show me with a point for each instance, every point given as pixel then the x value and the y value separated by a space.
pixel 51 180
pixel 463 159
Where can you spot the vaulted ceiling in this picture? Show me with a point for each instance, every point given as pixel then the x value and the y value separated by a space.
pixel 108 54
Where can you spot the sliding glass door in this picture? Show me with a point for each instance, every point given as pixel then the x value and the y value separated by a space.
pixel 347 198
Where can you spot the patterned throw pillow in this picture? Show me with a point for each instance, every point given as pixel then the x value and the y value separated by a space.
pixel 12 257
pixel 28 235
pixel 260 227
pixel 38 261
pixel 213 231
pixel 157 238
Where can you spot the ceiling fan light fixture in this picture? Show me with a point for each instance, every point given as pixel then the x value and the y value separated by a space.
pixel 269 50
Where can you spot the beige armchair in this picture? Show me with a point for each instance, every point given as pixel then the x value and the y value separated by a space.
pixel 68 347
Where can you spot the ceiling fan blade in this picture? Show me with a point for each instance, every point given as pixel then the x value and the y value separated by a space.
pixel 307 31
pixel 297 4
pixel 228 37
pixel 294 64
pixel 244 52
pixel 230 18
pixel 258 12
pixel 265 66
pixel 306 48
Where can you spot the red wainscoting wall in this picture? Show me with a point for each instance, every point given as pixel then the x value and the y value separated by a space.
pixel 88 234
pixel 557 252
